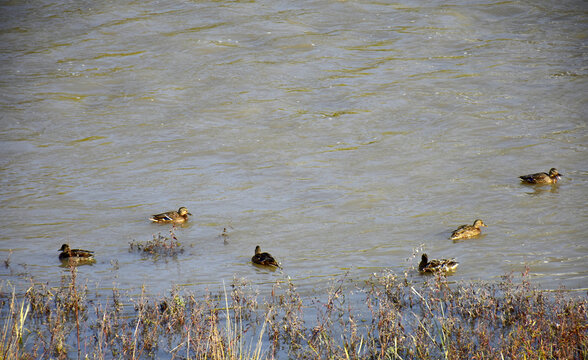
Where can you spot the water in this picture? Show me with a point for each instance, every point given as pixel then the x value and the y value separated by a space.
pixel 341 136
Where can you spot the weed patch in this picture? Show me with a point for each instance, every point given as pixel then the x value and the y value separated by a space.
pixel 388 316
pixel 159 246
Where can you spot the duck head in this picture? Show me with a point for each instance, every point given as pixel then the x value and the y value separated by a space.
pixel 479 223
pixel 553 173
pixel 183 211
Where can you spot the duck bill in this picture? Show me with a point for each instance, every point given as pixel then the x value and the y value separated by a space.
pixel 189 214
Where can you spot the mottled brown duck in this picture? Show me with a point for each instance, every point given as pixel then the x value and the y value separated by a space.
pixel 441 265
pixel 468 231
pixel 263 258
pixel 75 254
pixel 542 178
pixel 175 217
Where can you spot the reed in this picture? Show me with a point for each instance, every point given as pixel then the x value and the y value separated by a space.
pixel 13 330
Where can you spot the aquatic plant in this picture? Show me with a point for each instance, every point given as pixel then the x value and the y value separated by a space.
pixel 159 246
pixel 387 316
pixel 13 335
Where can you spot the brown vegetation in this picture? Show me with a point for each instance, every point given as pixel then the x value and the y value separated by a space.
pixel 159 246
pixel 386 317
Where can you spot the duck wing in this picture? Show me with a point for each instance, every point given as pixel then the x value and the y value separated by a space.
pixel 82 253
pixel 533 178
pixel 449 265
pixel 264 259
pixel 166 216
pixel 460 231
pixel 440 265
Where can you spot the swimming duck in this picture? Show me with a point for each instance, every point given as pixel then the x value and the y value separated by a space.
pixel 176 217
pixel 468 231
pixel 75 254
pixel 263 258
pixel 441 265
pixel 542 178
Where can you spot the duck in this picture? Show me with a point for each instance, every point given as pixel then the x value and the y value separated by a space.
pixel 176 217
pixel 441 265
pixel 263 258
pixel 75 254
pixel 542 178
pixel 468 231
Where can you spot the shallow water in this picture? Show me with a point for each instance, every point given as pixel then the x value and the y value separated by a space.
pixel 341 136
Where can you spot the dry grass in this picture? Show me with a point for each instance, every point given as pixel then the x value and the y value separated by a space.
pixel 159 246
pixel 385 317
pixel 13 332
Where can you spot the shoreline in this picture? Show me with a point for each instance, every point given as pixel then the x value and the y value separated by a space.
pixel 388 316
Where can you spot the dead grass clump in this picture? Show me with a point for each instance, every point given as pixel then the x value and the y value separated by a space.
pixel 159 246
pixel 287 323
pixel 14 334
pixel 440 320
pixel 386 296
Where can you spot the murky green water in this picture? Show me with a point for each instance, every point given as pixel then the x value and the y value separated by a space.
pixel 341 136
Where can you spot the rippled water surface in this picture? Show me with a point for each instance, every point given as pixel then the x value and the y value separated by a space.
pixel 341 136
